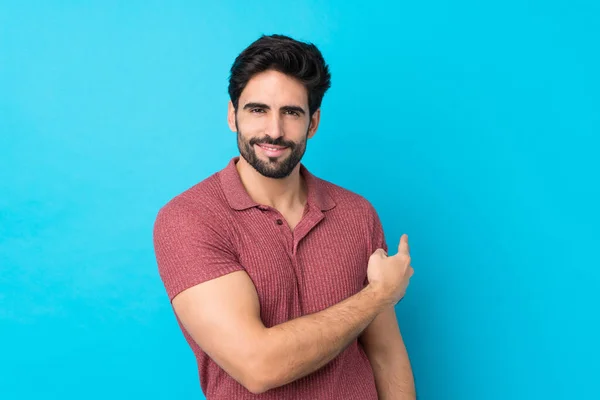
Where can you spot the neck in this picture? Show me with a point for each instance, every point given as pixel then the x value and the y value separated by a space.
pixel 282 194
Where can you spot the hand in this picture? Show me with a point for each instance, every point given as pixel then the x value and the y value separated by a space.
pixel 389 275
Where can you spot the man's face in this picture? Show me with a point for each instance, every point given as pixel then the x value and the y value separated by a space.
pixel 272 123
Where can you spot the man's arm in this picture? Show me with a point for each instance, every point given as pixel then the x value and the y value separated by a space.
pixel 389 359
pixel 223 317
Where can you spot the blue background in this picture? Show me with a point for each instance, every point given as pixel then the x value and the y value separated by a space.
pixel 472 126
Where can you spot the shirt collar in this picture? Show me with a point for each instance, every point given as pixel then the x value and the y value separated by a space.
pixel 239 199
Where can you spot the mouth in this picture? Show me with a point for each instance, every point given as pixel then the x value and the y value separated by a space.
pixel 271 150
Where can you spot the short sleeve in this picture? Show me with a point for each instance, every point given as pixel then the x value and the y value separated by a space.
pixel 191 247
pixel 377 235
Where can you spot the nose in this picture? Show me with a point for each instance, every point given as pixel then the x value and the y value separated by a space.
pixel 274 127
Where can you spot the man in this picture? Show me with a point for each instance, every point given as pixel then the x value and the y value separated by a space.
pixel 280 281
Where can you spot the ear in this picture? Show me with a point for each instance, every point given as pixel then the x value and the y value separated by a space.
pixel 314 123
pixel 231 117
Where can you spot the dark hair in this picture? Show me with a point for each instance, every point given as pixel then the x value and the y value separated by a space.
pixel 300 60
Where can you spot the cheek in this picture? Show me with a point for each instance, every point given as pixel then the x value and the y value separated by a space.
pixel 295 128
pixel 251 126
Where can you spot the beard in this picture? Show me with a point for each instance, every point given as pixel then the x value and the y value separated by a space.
pixel 275 167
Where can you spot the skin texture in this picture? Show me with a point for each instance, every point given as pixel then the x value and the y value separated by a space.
pixel 223 315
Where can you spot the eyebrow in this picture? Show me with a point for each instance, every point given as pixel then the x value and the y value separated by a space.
pixel 298 109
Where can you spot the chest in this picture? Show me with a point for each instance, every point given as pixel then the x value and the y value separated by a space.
pixel 304 268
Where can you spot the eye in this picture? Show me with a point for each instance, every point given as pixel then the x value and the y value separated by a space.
pixel 291 112
pixel 257 110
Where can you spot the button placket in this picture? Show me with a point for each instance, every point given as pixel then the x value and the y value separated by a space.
pixel 287 239
pixel 288 236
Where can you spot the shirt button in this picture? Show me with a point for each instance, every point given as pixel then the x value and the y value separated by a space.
pixel 279 222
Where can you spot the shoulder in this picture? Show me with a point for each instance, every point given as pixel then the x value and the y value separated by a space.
pixel 198 206
pixel 347 200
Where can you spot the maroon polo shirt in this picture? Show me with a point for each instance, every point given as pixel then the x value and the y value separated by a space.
pixel 215 228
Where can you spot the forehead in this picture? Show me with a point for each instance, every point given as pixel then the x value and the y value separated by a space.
pixel 274 88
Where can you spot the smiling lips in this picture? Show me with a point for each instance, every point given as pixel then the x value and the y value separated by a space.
pixel 272 150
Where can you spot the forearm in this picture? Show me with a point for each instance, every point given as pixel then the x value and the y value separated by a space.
pixel 393 375
pixel 301 346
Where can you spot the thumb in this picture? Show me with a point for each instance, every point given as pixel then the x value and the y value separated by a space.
pixel 403 245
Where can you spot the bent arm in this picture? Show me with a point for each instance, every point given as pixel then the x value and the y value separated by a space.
pixel 223 317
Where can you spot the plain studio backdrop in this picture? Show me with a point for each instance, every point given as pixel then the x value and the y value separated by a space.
pixel 472 126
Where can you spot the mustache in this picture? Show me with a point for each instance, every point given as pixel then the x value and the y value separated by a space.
pixel 269 140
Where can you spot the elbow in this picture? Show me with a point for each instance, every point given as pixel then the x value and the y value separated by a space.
pixel 257 382
pixel 261 368
pixel 255 386
pixel 259 376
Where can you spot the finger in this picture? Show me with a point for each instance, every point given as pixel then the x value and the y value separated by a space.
pixel 403 245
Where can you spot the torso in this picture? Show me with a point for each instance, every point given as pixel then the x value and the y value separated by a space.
pixel 313 260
